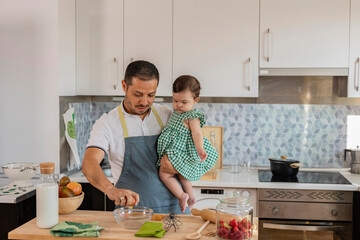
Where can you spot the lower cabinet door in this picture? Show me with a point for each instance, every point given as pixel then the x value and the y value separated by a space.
pixel 14 215
pixel 110 205
pixel 94 199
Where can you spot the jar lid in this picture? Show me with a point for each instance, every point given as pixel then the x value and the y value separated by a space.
pixel 47 167
pixel 236 199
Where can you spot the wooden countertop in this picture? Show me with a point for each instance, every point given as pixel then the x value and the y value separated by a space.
pixel 111 229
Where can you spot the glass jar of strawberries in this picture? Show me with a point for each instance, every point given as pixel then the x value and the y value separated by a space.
pixel 234 217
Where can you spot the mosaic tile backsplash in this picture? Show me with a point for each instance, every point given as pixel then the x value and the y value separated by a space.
pixel 313 134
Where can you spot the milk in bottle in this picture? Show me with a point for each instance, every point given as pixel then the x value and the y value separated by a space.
pixel 47 202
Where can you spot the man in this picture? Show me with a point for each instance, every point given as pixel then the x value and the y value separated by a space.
pixel 128 134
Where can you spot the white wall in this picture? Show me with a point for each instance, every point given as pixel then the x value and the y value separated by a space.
pixel 29 102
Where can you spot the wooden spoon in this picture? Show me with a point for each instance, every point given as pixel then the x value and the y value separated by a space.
pixel 196 235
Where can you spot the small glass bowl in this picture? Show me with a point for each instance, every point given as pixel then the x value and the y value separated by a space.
pixel 21 172
pixel 132 218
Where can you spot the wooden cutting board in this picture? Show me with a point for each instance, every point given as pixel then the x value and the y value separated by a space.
pixel 215 135
pixel 111 230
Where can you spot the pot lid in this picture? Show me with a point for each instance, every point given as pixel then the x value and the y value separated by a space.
pixel 283 159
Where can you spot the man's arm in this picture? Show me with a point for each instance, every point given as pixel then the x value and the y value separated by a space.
pixel 94 174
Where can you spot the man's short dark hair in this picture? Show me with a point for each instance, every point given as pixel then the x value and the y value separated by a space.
pixel 141 69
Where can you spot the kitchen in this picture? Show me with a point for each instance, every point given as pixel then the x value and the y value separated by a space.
pixel 277 95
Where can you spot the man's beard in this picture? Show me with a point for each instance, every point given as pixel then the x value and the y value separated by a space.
pixel 133 110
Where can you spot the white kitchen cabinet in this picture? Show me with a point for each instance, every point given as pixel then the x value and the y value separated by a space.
pixel 217 42
pixel 304 34
pixel 99 47
pixel 110 34
pixel 148 36
pixel 354 61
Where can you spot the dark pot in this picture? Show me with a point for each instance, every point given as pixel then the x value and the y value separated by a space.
pixel 283 168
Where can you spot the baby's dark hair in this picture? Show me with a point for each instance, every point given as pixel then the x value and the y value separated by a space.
pixel 185 82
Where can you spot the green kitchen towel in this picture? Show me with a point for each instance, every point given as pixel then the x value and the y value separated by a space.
pixel 74 229
pixel 151 229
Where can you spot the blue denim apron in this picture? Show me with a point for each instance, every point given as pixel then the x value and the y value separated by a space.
pixel 140 173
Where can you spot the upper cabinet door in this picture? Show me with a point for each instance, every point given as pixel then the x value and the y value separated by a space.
pixel 217 42
pixel 304 33
pixel 99 47
pixel 148 36
pixel 354 63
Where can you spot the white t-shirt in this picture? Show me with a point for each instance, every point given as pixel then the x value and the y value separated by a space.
pixel 107 133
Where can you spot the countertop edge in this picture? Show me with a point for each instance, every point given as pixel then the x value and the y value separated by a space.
pixel 246 179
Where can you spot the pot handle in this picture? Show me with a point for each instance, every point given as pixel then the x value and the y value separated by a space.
pixel 295 165
pixel 346 151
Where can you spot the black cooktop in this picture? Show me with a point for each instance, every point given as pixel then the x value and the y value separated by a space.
pixel 305 177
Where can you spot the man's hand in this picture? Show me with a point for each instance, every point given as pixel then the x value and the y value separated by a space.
pixel 122 197
pixel 166 165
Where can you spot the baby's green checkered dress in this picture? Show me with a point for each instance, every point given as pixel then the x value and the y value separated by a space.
pixel 176 141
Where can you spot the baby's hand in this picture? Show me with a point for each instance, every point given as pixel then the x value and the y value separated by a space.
pixel 202 154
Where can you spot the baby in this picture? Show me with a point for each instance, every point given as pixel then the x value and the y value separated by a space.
pixel 189 152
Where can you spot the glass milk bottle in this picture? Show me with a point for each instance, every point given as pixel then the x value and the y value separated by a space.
pixel 47 201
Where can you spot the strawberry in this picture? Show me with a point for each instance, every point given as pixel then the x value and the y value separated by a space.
pixel 233 223
pixel 244 223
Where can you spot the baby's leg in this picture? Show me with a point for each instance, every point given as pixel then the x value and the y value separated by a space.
pixel 186 184
pixel 173 185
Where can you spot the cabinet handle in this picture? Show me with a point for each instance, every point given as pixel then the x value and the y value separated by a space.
pixel 357 72
pixel 117 73
pixel 269 45
pixel 313 228
pixel 250 74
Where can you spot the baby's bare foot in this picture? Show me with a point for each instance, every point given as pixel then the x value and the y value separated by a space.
pixel 191 202
pixel 183 201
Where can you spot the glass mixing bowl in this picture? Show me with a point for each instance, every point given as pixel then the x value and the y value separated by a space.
pixel 132 217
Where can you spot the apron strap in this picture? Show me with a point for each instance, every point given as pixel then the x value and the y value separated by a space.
pixel 157 118
pixel 123 123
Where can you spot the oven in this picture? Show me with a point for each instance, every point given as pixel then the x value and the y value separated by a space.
pixel 305 214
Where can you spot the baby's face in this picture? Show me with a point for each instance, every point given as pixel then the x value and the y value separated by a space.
pixel 184 101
